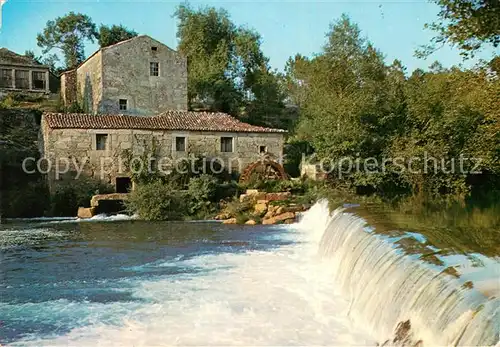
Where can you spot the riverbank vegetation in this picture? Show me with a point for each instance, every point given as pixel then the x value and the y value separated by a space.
pixel 346 103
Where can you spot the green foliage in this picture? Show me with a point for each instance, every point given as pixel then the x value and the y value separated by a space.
pixel 468 24
pixel 295 186
pixel 202 192
pixel 157 201
pixel 295 151
pixel 109 35
pixel 70 195
pixel 29 200
pixel 227 70
pixel 354 106
pixel 68 34
pixel 50 60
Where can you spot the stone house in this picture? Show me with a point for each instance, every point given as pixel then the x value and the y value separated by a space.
pixel 19 73
pixel 97 143
pixel 139 76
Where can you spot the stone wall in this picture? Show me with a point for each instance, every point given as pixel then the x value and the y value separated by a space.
pixel 89 84
pixel 79 145
pixel 126 75
pixel 68 87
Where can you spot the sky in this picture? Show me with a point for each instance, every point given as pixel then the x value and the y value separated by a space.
pixel 287 27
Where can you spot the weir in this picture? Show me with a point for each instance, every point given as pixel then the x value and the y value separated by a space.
pixel 404 300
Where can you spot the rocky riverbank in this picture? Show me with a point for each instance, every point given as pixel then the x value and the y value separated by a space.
pixel 256 207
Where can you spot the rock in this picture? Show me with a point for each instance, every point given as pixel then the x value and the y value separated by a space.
pixel 295 208
pixel 260 209
pixel 86 212
pixel 243 197
pixel 271 212
pixel 281 210
pixel 403 331
pixel 252 192
pixel 94 202
pixel 222 216
pixel 229 221
pixel 279 218
pixel 263 202
pixel 278 196
pixel 250 222
pixel 289 221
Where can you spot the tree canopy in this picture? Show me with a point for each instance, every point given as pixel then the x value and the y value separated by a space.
pixel 109 35
pixel 228 71
pixel 68 34
pixel 468 24
pixel 355 106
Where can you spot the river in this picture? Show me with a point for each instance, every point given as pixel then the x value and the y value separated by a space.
pixel 331 279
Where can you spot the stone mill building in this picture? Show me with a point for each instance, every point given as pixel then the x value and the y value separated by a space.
pixel 140 77
pixel 96 143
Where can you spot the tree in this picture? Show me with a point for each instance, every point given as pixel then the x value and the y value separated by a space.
pixel 68 34
pixel 50 61
pixel 227 70
pixel 110 35
pixel 469 24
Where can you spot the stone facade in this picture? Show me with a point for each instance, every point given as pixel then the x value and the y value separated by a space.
pixel 140 76
pixel 21 74
pixel 80 146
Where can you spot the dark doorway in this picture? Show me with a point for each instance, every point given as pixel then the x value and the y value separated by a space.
pixel 123 184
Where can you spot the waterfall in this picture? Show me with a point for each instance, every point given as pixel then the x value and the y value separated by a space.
pixel 400 297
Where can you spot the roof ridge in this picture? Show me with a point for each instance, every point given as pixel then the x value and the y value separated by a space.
pixel 169 120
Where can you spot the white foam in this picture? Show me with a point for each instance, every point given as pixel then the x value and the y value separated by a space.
pixel 280 297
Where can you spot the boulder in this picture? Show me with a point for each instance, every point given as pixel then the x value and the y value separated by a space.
pixel 222 216
pixel 271 212
pixel 279 218
pixel 244 197
pixel 281 210
pixel 86 212
pixel 278 196
pixel 230 221
pixel 252 191
pixel 250 222
pixel 289 221
pixel 260 209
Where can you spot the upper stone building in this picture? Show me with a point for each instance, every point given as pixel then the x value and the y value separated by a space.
pixel 140 77
pixel 19 73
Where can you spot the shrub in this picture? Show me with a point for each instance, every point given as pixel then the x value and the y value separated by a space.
pixel 202 192
pixel 29 200
pixel 157 201
pixel 69 196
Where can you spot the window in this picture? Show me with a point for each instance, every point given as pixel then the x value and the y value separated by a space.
pixel 154 69
pixel 38 80
pixel 123 104
pixel 5 78
pixel 22 79
pixel 100 141
pixel 180 144
pixel 262 149
pixel 226 144
pixel 154 49
pixel 123 184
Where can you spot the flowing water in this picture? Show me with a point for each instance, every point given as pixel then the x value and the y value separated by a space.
pixel 331 279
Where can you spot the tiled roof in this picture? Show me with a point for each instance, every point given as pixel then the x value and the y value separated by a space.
pixel 170 120
pixel 9 57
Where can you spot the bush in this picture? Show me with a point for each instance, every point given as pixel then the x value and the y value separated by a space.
pixel 68 197
pixel 202 192
pixel 157 201
pixel 30 200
